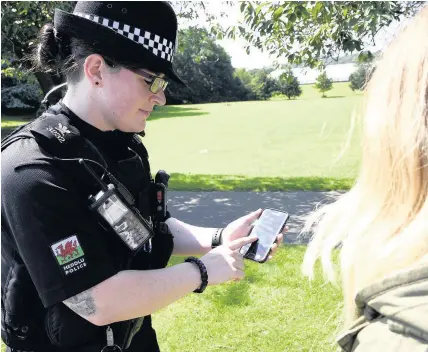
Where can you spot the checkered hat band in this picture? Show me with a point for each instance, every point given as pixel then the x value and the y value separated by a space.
pixel 159 46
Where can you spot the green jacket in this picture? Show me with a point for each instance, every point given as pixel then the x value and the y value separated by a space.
pixel 394 315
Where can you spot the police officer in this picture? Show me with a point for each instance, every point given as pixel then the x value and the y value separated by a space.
pixel 72 278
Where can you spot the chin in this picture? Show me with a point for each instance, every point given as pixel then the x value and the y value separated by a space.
pixel 138 129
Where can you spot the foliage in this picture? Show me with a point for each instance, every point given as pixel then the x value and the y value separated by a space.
pixel 21 22
pixel 12 76
pixel 262 85
pixel 289 85
pixel 359 79
pixel 246 78
pixel 207 70
pixel 22 97
pixel 323 83
pixel 258 82
pixel 306 32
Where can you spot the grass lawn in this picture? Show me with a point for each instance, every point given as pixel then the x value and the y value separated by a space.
pixel 274 309
pixel 9 123
pixel 265 145
pixel 278 144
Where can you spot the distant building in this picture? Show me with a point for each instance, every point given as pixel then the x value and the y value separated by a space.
pixel 338 73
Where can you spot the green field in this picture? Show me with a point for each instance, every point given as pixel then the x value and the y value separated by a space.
pixel 274 309
pixel 265 145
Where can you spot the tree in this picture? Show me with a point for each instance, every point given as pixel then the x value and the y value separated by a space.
pixel 323 83
pixel 306 33
pixel 360 78
pixel 207 70
pixel 246 78
pixel 21 23
pixel 289 85
pixel 309 33
pixel 262 85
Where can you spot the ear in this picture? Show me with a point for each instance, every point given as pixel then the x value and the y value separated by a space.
pixel 94 68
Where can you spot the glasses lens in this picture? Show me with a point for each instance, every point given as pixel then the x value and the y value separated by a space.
pixel 157 85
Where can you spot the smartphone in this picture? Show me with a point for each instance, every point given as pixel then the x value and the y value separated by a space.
pixel 267 227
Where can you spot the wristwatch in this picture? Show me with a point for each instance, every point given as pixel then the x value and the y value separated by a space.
pixel 217 240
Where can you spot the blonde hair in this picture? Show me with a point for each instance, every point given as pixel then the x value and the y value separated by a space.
pixel 381 224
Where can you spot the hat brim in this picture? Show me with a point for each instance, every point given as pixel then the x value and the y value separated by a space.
pixel 117 47
pixel 171 74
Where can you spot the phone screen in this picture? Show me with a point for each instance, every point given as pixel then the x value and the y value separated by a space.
pixel 266 228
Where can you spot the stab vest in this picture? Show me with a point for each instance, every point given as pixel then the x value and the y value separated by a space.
pixel 23 317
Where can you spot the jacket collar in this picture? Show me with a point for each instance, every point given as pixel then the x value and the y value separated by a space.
pixel 402 298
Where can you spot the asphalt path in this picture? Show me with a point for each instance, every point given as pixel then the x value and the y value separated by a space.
pixel 217 209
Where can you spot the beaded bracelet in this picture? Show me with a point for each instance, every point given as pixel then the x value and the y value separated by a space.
pixel 204 273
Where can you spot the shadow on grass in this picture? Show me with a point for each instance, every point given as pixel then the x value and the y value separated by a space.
pixel 175 111
pixel 195 182
pixel 333 96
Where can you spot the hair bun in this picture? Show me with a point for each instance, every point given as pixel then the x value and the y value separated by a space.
pixel 48 48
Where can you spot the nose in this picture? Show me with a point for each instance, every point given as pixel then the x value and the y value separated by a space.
pixel 159 98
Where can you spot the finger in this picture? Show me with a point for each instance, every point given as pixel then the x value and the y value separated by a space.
pixel 274 248
pixel 238 243
pixel 237 255
pixel 240 265
pixel 269 258
pixel 239 275
pixel 286 228
pixel 253 216
pixel 280 238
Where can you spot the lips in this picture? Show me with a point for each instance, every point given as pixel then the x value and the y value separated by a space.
pixel 146 113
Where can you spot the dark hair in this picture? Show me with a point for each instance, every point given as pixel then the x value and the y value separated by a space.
pixel 61 54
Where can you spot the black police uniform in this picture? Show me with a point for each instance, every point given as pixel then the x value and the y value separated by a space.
pixel 45 215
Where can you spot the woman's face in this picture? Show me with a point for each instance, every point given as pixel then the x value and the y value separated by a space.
pixel 126 100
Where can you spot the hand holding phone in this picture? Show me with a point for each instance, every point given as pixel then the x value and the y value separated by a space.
pixel 270 223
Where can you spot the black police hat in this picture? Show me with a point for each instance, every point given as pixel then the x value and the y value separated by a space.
pixel 143 33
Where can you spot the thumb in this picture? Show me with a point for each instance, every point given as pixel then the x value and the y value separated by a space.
pixel 240 242
pixel 250 218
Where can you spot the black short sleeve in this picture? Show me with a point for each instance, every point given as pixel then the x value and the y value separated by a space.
pixel 56 236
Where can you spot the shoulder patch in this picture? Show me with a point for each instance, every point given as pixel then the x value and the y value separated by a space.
pixel 69 254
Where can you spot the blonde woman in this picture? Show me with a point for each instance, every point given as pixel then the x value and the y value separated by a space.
pixel 381 224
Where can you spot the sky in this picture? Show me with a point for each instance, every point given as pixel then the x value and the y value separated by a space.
pixel 235 48
pixel 257 58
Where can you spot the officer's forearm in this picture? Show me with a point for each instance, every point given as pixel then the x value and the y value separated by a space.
pixel 189 239
pixel 131 294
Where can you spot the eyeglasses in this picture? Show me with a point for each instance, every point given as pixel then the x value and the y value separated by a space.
pixel 156 83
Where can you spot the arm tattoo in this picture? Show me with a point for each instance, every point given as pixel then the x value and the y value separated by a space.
pixel 82 303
